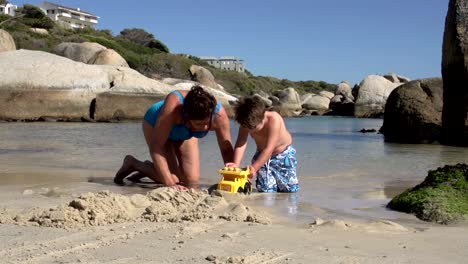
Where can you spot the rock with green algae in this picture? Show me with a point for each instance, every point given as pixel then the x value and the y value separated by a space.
pixel 442 197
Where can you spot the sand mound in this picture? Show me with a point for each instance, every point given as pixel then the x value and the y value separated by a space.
pixel 159 205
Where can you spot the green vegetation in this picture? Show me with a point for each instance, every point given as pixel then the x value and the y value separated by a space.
pixel 442 197
pixel 142 51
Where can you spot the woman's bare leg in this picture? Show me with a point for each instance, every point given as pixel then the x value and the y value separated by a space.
pixel 147 167
pixel 188 155
pixel 136 177
pixel 127 168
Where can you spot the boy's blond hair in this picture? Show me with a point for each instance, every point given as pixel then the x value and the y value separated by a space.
pixel 249 111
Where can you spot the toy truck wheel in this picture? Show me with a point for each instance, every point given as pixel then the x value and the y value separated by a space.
pixel 248 188
pixel 240 190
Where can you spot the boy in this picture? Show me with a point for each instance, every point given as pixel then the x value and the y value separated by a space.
pixel 275 162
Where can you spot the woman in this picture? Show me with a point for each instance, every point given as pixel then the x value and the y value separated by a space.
pixel 172 128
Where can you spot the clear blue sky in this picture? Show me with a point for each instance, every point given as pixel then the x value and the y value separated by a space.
pixel 329 40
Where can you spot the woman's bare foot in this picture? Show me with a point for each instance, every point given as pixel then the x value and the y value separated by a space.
pixel 125 170
pixel 136 178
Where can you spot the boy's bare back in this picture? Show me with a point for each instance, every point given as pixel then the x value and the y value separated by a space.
pixel 272 130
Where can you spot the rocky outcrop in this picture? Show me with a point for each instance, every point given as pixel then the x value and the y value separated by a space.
pixel 455 74
pixel 57 87
pixel 7 42
pixel 442 197
pixel 372 96
pixel 413 112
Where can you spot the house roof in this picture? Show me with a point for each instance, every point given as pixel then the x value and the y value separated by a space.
pixel 78 10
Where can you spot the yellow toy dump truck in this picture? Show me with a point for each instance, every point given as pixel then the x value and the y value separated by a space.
pixel 235 180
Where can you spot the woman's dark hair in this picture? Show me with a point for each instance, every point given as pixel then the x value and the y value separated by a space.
pixel 249 111
pixel 199 104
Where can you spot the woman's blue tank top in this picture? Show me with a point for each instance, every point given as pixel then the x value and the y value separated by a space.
pixel 179 132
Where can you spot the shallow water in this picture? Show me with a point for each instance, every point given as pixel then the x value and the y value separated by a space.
pixel 342 172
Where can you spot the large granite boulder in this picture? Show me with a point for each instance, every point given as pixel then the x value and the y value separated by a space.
pixel 287 102
pixel 316 102
pixel 372 96
pixel 395 78
pixel 288 96
pixel 40 31
pixel 204 76
pixel 327 94
pixel 344 89
pixel 82 52
pixel 442 197
pixel 413 112
pixel 341 106
pixel 455 74
pixel 342 103
pixel 7 42
pixel 90 53
pixel 109 57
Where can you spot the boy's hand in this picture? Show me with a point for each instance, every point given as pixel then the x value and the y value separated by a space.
pixel 232 165
pixel 253 172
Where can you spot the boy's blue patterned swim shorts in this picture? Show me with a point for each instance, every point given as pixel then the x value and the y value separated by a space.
pixel 279 173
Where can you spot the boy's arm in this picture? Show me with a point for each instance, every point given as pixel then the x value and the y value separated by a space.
pixel 223 135
pixel 241 145
pixel 265 154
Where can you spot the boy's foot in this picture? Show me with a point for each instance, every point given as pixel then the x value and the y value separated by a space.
pixel 124 171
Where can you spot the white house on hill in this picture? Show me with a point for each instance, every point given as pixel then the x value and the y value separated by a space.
pixel 8 9
pixel 74 17
pixel 225 63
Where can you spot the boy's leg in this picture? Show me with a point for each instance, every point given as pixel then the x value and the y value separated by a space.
pixel 284 170
pixel 265 181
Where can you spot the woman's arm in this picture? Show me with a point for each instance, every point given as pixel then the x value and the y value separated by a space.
pixel 167 118
pixel 222 128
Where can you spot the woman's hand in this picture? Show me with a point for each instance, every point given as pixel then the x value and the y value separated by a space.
pixel 180 187
pixel 232 165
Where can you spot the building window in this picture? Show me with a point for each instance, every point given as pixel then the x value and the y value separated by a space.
pixel 1 9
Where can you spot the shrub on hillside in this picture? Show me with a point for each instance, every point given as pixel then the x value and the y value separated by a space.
pixel 34 17
pixel 31 11
pixel 4 17
pixel 140 36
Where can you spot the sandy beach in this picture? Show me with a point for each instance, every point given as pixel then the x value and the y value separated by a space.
pixel 168 226
pixel 58 203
